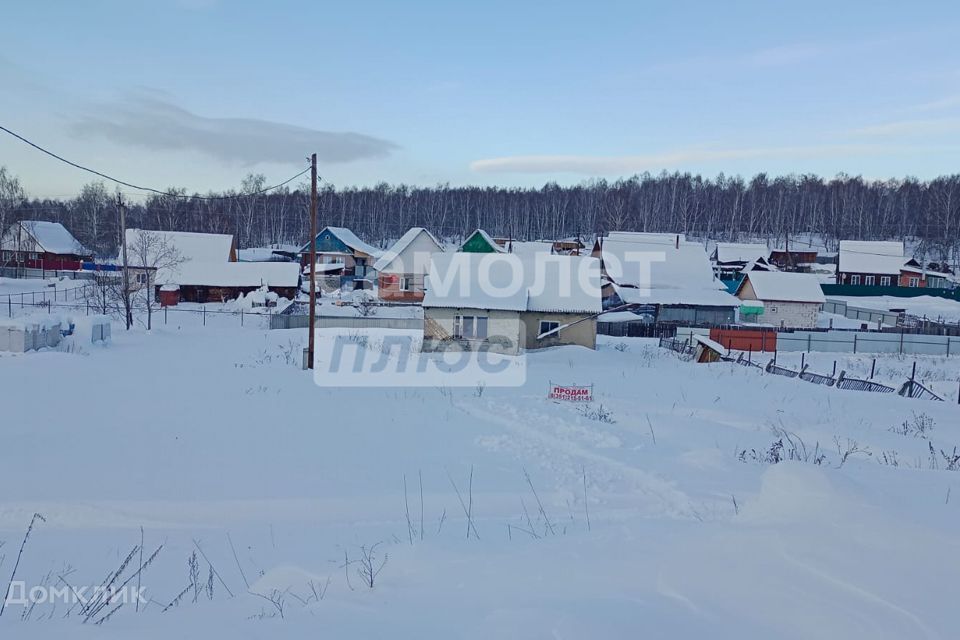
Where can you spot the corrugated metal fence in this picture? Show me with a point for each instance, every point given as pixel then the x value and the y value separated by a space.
pixel 281 321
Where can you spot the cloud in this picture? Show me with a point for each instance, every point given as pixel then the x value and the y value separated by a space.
pixel 936 126
pixel 152 122
pixel 618 165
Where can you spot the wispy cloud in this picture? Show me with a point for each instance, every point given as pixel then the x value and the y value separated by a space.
pixel 156 123
pixel 619 165
pixel 935 126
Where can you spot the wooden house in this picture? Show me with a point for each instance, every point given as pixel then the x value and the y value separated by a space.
pixel 729 258
pixel 665 277
pixel 342 255
pixel 481 242
pixel 41 245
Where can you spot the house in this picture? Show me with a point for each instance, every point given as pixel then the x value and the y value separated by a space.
pixel 666 277
pixel 729 258
pixel 342 255
pixel 403 267
pixel 480 242
pixel 193 281
pixel 793 259
pixel 508 303
pixel 184 266
pixel 789 300
pixel 572 246
pixel 883 264
pixel 42 245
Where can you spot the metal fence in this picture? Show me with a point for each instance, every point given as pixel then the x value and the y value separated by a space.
pixel 900 343
pixel 282 321
pixel 873 316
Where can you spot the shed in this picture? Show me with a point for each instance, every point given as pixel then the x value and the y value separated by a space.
pixel 707 350
pixel 402 268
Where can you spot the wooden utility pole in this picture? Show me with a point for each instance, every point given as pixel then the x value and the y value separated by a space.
pixel 126 274
pixel 313 259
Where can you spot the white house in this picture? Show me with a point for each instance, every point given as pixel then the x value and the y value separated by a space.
pixel 785 299
pixel 508 303
pixel 403 267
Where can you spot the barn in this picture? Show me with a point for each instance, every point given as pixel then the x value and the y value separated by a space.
pixel 223 281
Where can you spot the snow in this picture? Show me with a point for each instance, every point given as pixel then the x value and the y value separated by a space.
pixel 707 342
pixel 232 274
pixel 489 240
pixel 401 245
pixel 785 286
pixel 734 252
pixel 684 539
pixel 529 248
pixel 620 316
pixel 657 272
pixel 191 246
pixel 567 284
pixel 878 257
pixel 930 307
pixel 52 237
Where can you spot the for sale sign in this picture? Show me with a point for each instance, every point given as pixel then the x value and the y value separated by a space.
pixel 570 393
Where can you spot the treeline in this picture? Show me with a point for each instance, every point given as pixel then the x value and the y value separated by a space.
pixel 724 208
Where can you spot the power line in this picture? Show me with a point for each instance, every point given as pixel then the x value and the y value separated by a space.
pixel 142 188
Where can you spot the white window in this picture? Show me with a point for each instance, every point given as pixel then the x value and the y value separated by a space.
pixel 141 278
pixel 855 279
pixel 470 327
pixel 914 281
pixel 406 283
pixel 884 281
pixel 869 280
pixel 546 326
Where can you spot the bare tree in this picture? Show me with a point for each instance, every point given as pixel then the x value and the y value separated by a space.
pixel 151 253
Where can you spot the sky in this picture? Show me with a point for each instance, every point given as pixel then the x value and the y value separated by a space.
pixel 199 93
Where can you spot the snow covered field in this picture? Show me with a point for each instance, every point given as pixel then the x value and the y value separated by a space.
pixel 663 512
pixel 930 307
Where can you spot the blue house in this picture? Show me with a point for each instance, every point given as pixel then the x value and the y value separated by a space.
pixel 340 253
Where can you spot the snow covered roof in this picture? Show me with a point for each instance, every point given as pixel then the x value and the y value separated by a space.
pixel 350 239
pixel 707 342
pixel 650 270
pixel 733 252
pixel 231 274
pixel 529 247
pixel 50 237
pixel 400 245
pixel 646 236
pixel 783 286
pixel 858 256
pixel 487 238
pixel 191 246
pixel 563 284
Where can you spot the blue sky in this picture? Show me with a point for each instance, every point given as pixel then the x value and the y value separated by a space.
pixel 197 93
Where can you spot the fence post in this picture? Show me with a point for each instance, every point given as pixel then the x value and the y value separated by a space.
pixel 204 309
pixel 10 314
pixel 164 315
pixel 803 360
pixel 901 341
pixel 241 317
pixel 854 343
pixel 873 368
pixel 809 341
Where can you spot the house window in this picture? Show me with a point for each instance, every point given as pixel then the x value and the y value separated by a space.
pixel 884 281
pixel 855 279
pixel 141 278
pixel 772 309
pixel 470 327
pixel 869 280
pixel 546 326
pixel 406 283
pixel 914 281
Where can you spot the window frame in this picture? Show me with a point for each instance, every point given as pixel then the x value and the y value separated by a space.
pixel 556 325
pixel 885 281
pixel 870 280
pixel 477 325
pixel 855 279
